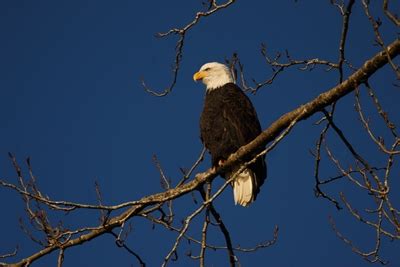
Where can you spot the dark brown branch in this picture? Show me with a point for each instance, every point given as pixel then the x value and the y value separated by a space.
pixel 381 188
pixel 222 227
pixel 205 227
pixel 317 190
pixel 345 28
pixel 345 12
pixel 121 243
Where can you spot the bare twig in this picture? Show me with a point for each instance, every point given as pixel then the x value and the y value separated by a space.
pixel 379 39
pixel 390 125
pixel 181 32
pixel 278 67
pixel 380 143
pixel 371 256
pixel 389 14
pixel 205 227
pixel 121 243
pixel 345 27
pixel 223 228
pixel 8 255
pixel 317 190
pixel 187 174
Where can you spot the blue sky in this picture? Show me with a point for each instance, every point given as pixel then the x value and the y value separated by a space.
pixel 71 100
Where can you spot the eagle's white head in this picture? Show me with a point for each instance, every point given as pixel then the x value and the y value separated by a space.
pixel 214 75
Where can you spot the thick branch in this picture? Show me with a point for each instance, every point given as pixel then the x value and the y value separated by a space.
pixel 317 104
pixel 243 154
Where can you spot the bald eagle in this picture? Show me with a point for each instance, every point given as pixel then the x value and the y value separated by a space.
pixel 229 121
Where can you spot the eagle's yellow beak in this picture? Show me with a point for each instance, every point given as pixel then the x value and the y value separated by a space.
pixel 199 75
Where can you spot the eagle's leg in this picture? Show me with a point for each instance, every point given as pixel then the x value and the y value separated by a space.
pixel 220 163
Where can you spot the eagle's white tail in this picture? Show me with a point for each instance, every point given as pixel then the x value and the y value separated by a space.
pixel 243 188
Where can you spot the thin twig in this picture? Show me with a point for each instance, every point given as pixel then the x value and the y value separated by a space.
pixel 181 32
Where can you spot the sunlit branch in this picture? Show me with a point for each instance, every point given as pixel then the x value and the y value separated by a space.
pixel 9 255
pixel 389 14
pixel 379 39
pixel 379 143
pixel 278 67
pixel 390 125
pixel 273 134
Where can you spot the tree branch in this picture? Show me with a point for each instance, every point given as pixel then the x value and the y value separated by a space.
pixel 242 155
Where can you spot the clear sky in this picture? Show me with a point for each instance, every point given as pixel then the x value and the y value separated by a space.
pixel 71 100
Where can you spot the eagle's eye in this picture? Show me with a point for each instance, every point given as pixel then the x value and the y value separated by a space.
pixel 207 69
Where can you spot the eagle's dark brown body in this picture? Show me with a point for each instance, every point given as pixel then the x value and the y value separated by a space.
pixel 229 121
